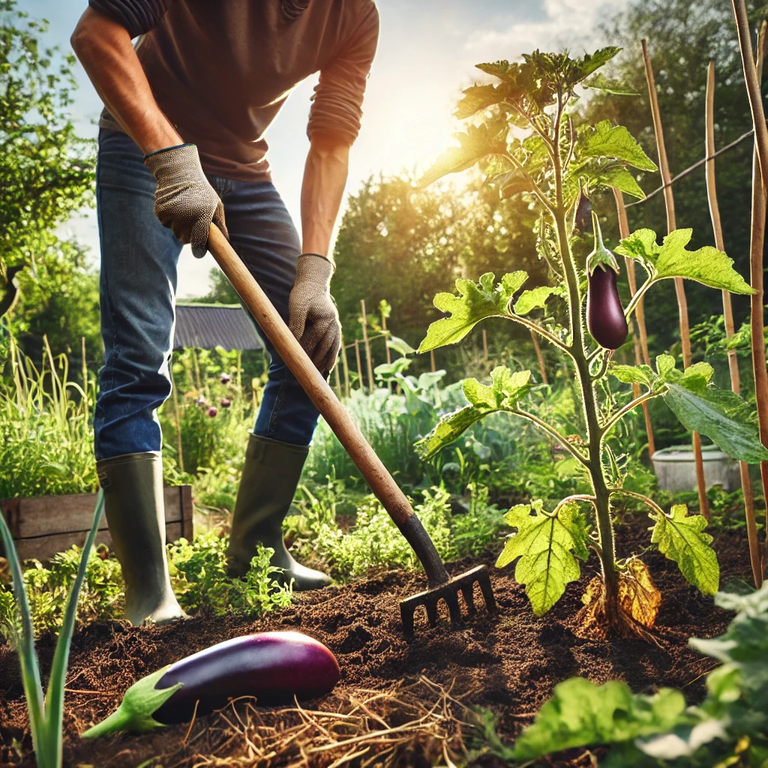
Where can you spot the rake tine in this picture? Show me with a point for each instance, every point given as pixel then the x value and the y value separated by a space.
pixel 469 599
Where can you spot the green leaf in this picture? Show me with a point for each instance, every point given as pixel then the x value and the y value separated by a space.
pixel 478 142
pixel 504 393
pixel 400 346
pixel 536 298
pixel 581 714
pixel 602 83
pixel 633 374
pixel 608 140
pixel 681 538
pixel 707 265
pixel 545 545
pixel 479 97
pixel 447 430
pixel 722 416
pixel 475 302
pixel 665 364
pixel 621 179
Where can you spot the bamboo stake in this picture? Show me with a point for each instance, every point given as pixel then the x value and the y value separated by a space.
pixel 371 384
pixel 759 176
pixel 682 302
pixel 339 392
pixel 359 365
pixel 177 418
pixel 485 344
pixel 345 361
pixel 640 335
pixel 540 358
pixel 432 360
pixel 386 337
pixel 733 362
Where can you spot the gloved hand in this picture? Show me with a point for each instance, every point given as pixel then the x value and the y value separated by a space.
pixel 185 201
pixel 312 315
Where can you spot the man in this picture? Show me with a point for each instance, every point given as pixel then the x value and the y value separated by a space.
pixel 181 144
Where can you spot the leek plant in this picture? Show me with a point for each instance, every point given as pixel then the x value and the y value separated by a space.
pixel 45 712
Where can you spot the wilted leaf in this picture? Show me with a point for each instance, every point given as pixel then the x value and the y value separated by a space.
pixel 475 302
pixel 546 546
pixel 638 595
pixel 707 265
pixel 608 140
pixel 582 714
pixel 682 539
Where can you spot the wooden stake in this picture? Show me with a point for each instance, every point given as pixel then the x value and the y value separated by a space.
pixel 432 360
pixel 485 344
pixel 759 178
pixel 345 361
pixel 640 336
pixel 359 365
pixel 386 338
pixel 682 302
pixel 177 419
pixel 540 358
pixel 733 362
pixel 371 383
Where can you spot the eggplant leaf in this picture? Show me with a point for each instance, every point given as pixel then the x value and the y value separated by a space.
pixel 546 545
pixel 581 714
pixel 719 414
pixel 602 83
pixel 504 393
pixel 633 374
pixel 479 97
pixel 608 140
pixel 478 142
pixel 681 538
pixel 707 265
pixel 475 302
pixel 621 179
pixel 536 298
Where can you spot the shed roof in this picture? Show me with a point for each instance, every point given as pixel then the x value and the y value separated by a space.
pixel 208 326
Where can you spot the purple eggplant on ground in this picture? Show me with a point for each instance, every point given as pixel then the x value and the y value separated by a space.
pixel 274 667
pixel 606 320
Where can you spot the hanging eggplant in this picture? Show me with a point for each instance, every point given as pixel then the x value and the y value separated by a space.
pixel 605 314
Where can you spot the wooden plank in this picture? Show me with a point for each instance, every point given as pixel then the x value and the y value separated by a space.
pixel 46 515
pixel 43 548
pixel 187 512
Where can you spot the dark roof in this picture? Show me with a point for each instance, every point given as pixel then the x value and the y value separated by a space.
pixel 208 326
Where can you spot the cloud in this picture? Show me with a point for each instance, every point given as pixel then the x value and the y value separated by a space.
pixel 571 24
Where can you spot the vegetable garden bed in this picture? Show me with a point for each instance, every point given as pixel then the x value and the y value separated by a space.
pixel 398 703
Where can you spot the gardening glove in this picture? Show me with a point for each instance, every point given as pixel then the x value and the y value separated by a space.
pixel 185 201
pixel 312 315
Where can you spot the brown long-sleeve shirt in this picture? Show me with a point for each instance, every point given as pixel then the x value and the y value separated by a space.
pixel 221 69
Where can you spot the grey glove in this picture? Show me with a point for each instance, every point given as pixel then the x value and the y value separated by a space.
pixel 185 201
pixel 312 315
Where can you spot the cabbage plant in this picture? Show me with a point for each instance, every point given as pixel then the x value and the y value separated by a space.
pixel 523 133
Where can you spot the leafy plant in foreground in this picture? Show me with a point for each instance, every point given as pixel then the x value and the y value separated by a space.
pixel 45 713
pixel 526 136
pixel 728 729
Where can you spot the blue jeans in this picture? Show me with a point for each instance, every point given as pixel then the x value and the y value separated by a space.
pixel 139 259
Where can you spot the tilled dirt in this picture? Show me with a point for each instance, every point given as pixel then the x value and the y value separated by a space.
pixel 507 662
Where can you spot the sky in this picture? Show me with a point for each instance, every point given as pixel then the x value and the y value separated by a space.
pixel 426 55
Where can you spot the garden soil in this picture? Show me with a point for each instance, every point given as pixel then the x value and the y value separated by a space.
pixel 398 703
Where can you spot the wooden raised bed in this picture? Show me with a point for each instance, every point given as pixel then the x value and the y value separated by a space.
pixel 45 525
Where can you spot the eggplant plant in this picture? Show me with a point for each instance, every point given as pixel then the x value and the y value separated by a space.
pixel 525 135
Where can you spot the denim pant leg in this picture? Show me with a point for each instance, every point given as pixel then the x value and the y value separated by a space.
pixel 264 236
pixel 139 258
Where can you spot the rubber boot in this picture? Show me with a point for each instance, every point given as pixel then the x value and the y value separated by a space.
pixel 135 510
pixel 270 475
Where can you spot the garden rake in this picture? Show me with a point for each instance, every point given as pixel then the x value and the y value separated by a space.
pixel 441 585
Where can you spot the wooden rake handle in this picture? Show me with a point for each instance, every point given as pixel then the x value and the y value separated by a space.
pixel 370 465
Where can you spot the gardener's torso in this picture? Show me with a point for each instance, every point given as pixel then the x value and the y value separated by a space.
pixel 221 70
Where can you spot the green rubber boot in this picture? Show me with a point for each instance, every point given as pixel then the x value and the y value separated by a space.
pixel 270 475
pixel 134 506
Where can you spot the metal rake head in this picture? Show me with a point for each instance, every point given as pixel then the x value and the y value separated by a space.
pixel 449 593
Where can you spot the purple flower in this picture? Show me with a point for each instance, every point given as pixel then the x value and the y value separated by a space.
pixel 225 402
pixel 201 402
pixel 225 378
pixel 212 411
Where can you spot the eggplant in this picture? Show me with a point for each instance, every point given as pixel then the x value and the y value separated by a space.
pixel 605 314
pixel 272 666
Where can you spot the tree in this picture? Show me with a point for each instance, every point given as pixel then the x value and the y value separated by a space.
pixel 46 172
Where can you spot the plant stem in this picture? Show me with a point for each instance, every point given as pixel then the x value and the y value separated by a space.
pixel 622 412
pixel 552 432
pixel 589 404
pixel 641 497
